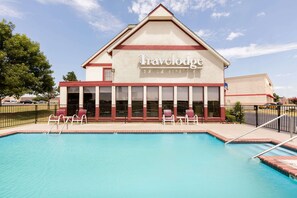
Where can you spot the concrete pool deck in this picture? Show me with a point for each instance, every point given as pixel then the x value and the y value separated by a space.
pixel 223 132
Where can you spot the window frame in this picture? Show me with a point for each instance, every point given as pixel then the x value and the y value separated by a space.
pixel 104 77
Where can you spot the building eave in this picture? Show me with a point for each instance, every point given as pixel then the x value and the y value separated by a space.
pixel 179 24
pixel 129 27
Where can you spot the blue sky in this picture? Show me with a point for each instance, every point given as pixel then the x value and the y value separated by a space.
pixel 256 36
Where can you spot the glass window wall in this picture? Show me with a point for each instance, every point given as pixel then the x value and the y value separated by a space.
pixel 213 101
pixel 152 103
pixel 182 100
pixel 167 98
pixel 72 100
pixel 89 101
pixel 137 101
pixel 198 105
pixel 121 101
pixel 105 101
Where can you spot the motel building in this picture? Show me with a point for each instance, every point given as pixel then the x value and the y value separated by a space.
pixel 148 67
pixel 256 89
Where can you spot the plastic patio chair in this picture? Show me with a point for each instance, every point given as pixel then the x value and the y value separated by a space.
pixel 168 116
pixel 80 116
pixel 191 117
pixel 58 117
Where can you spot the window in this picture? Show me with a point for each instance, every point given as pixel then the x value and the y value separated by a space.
pixel 72 100
pixel 152 103
pixel 89 101
pixel 167 98
pixel 105 101
pixel 122 101
pixel 107 76
pixel 213 101
pixel 182 100
pixel 198 105
pixel 137 101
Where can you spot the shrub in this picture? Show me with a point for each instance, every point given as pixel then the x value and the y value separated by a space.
pixel 230 118
pixel 236 114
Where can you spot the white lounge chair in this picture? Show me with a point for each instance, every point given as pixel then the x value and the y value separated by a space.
pixel 80 117
pixel 168 117
pixel 191 117
pixel 58 117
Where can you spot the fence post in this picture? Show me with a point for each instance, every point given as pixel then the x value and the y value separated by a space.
pixel 36 113
pixel 55 111
pixel 279 120
pixel 256 109
pixel 291 126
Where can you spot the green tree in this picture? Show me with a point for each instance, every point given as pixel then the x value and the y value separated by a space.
pixel 70 76
pixel 23 67
pixel 276 97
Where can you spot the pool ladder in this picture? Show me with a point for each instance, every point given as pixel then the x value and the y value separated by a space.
pixel 256 128
pixel 50 130
pixel 56 124
pixel 272 148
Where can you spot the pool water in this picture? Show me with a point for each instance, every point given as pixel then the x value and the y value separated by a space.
pixel 135 165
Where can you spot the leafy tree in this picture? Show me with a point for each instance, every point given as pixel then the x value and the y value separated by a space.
pixel 276 97
pixel 23 67
pixel 70 76
pixel 293 100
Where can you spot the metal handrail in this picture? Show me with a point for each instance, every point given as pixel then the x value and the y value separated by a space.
pixel 55 124
pixel 256 128
pixel 274 147
pixel 65 124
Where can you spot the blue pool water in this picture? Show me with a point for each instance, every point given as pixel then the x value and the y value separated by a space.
pixel 146 165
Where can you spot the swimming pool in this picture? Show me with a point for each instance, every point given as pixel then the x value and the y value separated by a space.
pixel 134 165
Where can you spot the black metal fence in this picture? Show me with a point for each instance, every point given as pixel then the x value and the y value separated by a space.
pixel 13 115
pixel 260 114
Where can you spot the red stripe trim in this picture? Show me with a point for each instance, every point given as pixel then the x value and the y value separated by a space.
pixel 160 47
pixel 99 65
pixel 106 83
pixel 250 95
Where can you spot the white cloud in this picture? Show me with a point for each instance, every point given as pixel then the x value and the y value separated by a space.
pixel 9 11
pixel 283 87
pixel 256 50
pixel 143 7
pixel 284 75
pixel 234 35
pixel 205 34
pixel 220 14
pixel 261 14
pixel 92 12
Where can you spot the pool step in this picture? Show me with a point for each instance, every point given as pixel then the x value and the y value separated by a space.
pixel 280 151
pixel 253 149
